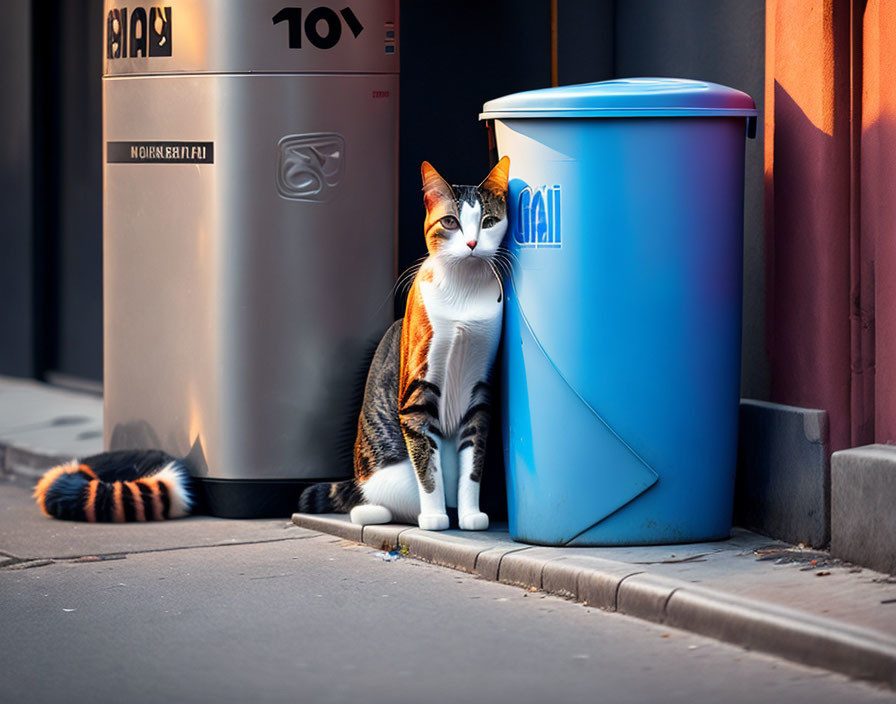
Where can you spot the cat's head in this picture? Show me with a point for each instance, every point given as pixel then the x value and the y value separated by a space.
pixel 464 222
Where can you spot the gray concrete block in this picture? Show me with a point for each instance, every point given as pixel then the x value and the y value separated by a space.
pixel 338 524
pixel 863 496
pixel 29 463
pixel 645 595
pixel 795 635
pixel 783 474
pixel 442 549
pixel 597 580
pixel 383 537
pixel 561 577
pixel 524 568
pixel 488 562
pixel 41 425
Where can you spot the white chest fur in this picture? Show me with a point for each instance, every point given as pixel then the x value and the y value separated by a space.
pixel 466 325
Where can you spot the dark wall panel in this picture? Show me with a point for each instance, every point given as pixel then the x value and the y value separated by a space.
pixel 455 56
pixel 80 199
pixel 16 332
pixel 585 41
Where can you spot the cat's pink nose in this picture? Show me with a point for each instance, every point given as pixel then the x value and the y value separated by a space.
pixel 471 244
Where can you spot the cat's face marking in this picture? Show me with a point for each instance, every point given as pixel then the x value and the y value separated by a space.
pixel 465 222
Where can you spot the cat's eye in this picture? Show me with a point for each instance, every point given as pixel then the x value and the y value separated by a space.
pixel 449 222
pixel 489 221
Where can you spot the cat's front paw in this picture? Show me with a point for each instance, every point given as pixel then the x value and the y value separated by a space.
pixel 433 521
pixel 473 521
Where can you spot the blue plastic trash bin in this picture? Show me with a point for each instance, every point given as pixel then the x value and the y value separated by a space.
pixel 623 321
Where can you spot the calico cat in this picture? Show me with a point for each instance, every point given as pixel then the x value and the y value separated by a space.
pixel 421 438
pixel 126 485
pixel 421 434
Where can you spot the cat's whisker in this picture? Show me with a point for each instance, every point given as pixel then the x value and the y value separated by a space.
pixel 504 265
pixel 509 272
pixel 510 261
pixel 511 255
pixel 401 278
pixel 497 277
pixel 407 276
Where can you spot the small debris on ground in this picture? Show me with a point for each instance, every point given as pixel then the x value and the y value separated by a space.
pixel 26 564
pixel 390 556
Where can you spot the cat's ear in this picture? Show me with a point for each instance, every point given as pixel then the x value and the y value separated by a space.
pixel 496 181
pixel 435 188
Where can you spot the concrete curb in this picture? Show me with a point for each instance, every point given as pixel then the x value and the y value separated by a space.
pixel 628 589
pixel 30 464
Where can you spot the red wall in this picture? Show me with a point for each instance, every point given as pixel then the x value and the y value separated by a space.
pixel 807 188
pixel 878 205
pixel 831 212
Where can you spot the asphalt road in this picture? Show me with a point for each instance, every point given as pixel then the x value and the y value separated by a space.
pixel 309 618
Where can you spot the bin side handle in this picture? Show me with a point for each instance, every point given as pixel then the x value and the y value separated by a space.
pixel 752 126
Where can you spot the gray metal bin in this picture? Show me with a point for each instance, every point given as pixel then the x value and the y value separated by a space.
pixel 249 212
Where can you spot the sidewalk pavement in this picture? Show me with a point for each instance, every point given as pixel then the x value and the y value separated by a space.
pixel 748 590
pixel 41 426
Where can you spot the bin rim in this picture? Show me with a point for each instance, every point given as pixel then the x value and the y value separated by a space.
pixel 626 97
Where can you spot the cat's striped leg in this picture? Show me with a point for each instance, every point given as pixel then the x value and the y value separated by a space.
pixel 424 454
pixel 471 458
pixel 419 417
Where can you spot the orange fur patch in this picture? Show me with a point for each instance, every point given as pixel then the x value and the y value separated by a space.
pixel 40 491
pixel 118 504
pixel 51 475
pixel 156 496
pixel 496 181
pixel 138 500
pixel 416 337
pixel 87 470
pixel 90 504
pixel 439 200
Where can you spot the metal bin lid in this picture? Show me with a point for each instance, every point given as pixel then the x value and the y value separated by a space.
pixel 624 97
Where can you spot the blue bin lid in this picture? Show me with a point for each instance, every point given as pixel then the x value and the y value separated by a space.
pixel 624 97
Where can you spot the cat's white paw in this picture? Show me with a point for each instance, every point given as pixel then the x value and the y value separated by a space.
pixel 433 521
pixel 473 521
pixel 370 514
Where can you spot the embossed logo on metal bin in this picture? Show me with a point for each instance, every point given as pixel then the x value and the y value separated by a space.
pixel 311 166
pixel 538 218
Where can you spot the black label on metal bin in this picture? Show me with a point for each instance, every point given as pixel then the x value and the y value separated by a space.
pixel 160 152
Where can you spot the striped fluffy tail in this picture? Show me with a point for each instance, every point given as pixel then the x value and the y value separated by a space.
pixel 327 497
pixel 129 485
